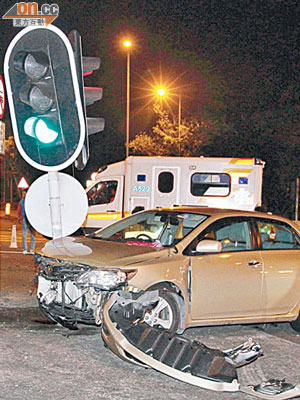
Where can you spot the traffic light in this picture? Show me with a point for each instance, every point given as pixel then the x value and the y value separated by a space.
pixel 89 95
pixel 44 98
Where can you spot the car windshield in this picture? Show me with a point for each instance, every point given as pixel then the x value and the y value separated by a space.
pixel 152 228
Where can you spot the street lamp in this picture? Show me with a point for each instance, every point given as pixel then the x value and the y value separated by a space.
pixel 127 44
pixel 162 92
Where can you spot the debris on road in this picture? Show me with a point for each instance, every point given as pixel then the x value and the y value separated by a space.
pixel 128 336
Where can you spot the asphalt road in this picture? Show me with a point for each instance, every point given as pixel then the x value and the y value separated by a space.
pixel 40 360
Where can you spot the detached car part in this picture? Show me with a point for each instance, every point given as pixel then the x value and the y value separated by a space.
pixel 128 336
pixel 274 389
pixel 244 354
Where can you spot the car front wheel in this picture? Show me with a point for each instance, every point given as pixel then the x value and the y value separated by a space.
pixel 165 314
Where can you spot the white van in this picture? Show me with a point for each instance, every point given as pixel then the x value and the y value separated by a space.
pixel 148 182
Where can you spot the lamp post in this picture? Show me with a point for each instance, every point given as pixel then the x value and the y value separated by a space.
pixel 179 121
pixel 127 44
pixel 162 92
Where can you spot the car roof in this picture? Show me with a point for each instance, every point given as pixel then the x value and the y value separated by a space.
pixel 223 212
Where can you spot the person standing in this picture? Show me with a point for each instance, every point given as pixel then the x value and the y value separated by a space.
pixel 25 226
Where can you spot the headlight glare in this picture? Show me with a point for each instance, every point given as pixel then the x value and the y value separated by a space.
pixel 102 279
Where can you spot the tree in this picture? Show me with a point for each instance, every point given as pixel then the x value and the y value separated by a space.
pixel 166 139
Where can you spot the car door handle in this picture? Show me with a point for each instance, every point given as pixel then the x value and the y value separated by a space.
pixel 254 264
pixel 110 210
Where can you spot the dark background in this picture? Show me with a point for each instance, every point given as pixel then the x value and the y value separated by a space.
pixel 235 63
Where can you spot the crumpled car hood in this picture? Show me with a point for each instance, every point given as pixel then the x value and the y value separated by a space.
pixel 99 253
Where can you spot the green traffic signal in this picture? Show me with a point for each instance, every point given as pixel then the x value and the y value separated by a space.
pixel 39 94
pixel 42 129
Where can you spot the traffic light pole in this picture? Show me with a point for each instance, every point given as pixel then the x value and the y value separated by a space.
pixel 55 204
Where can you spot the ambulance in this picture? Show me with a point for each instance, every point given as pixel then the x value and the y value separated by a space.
pixel 139 183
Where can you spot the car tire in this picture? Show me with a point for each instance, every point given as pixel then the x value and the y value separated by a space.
pixel 296 324
pixel 166 313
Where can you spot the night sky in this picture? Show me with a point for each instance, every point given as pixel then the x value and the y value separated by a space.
pixel 242 39
pixel 238 58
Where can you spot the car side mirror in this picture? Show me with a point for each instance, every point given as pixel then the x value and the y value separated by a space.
pixel 209 246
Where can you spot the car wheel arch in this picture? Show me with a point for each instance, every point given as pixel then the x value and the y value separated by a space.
pixel 176 293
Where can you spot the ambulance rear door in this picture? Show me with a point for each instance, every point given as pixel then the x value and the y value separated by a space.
pixel 166 187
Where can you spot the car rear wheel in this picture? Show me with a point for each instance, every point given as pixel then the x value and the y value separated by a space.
pixel 165 314
pixel 296 324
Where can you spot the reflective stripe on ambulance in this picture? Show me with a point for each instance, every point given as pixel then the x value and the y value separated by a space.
pixel 107 215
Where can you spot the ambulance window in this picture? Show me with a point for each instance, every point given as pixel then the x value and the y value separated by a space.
pixel 210 184
pixel 141 178
pixel 102 193
pixel 165 182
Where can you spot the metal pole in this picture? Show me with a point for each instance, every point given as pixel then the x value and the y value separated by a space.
pixel 297 199
pixel 179 121
pixel 128 103
pixel 10 188
pixel 4 181
pixel 55 204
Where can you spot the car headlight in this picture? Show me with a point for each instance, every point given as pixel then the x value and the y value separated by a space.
pixel 103 279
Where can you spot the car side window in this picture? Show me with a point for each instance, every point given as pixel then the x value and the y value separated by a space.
pixel 233 233
pixel 277 235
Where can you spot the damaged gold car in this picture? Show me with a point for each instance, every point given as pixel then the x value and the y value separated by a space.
pixel 208 266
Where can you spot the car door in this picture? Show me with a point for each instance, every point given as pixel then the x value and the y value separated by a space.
pixel 280 246
pixel 227 284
